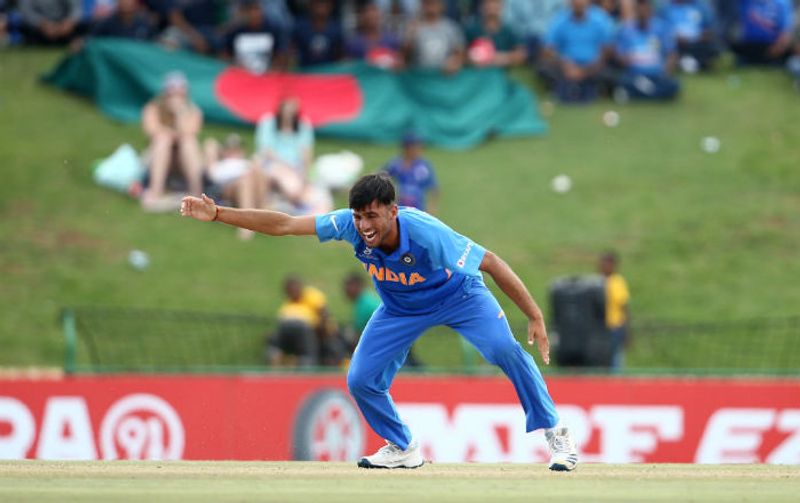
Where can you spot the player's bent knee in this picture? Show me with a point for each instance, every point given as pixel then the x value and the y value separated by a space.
pixel 357 383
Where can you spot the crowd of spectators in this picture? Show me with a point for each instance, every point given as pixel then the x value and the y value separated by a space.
pixel 581 48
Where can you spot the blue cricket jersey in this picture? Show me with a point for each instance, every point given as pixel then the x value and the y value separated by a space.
pixel 431 263
pixel 647 48
pixel 765 20
pixel 580 40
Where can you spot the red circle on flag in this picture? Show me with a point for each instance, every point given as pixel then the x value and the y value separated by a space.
pixel 323 98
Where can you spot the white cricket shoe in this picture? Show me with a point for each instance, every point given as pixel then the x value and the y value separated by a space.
pixel 392 456
pixel 563 454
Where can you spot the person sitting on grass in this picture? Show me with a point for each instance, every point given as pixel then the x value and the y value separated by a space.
pixel 646 52
pixel 284 151
pixel 765 29
pixel 692 22
pixel 230 169
pixel 577 47
pixel 172 123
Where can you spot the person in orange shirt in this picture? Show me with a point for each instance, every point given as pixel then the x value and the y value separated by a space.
pixel 617 311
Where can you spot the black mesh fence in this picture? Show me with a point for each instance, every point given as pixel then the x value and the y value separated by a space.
pixel 125 339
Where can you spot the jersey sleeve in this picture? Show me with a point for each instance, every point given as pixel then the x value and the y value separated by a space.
pixel 336 225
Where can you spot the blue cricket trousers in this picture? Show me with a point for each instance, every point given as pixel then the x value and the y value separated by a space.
pixel 475 314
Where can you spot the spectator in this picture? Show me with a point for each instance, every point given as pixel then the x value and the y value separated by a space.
pixel 127 20
pixel 192 24
pixel 530 19
pixel 765 32
pixel 617 310
pixel 793 63
pixel 94 11
pixel 491 42
pixel 172 123
pixel 577 48
pixel 318 39
pixel 253 41
pixel 692 22
pixel 397 14
pixel 365 302
pixel 284 151
pixel 726 13
pixel 50 21
pixel 305 335
pixel 619 10
pixel 278 13
pixel 230 170
pixel 414 176
pixel 371 43
pixel 303 311
pixel 646 52
pixel 433 41
pixel 5 38
pixel 400 11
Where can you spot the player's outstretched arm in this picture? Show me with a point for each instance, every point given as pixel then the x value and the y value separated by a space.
pixel 273 223
pixel 511 285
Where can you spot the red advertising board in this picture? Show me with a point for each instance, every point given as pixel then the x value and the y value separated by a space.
pixel 455 418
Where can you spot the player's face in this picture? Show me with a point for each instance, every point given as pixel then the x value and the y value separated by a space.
pixel 374 222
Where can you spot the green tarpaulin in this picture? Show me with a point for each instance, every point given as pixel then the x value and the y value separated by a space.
pixel 349 100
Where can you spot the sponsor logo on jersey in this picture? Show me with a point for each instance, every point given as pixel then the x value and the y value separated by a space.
pixel 463 259
pixel 386 274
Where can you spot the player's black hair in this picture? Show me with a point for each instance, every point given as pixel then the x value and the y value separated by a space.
pixel 374 187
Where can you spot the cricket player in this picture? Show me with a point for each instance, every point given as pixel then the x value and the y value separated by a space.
pixel 426 274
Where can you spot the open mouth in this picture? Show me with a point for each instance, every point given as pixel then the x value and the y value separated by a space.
pixel 370 236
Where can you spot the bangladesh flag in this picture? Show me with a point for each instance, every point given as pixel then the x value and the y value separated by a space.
pixel 348 100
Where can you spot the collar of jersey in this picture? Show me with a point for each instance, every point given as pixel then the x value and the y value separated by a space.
pixel 403 248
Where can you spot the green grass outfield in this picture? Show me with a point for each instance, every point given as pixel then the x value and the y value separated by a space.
pixel 702 236
pixel 339 482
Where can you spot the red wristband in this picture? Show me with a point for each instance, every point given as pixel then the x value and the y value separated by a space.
pixel 216 213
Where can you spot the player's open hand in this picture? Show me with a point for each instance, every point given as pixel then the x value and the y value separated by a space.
pixel 202 209
pixel 538 333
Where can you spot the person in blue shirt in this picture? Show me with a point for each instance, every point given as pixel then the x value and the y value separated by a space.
pixel 318 39
pixel 426 275
pixel 414 176
pixel 693 24
pixel 577 45
pixel 764 34
pixel 645 50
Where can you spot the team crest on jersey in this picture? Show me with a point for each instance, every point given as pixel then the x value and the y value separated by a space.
pixel 366 253
pixel 408 259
